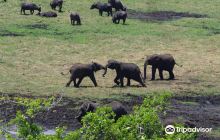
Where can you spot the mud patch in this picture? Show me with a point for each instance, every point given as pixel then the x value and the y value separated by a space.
pixel 37 26
pixel 200 111
pixel 161 15
pixel 64 114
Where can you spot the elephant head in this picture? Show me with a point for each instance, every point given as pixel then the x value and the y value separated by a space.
pixel 86 107
pixel 112 64
pixel 96 66
pixel 150 60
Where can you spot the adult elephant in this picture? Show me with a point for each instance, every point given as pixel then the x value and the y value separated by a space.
pixel 31 7
pixel 117 107
pixel 117 4
pixel 161 62
pixel 79 71
pixel 128 70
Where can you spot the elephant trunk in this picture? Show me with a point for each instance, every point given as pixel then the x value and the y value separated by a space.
pixel 145 70
pixel 106 67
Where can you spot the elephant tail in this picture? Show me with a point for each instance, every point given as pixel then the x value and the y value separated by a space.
pixel 62 73
pixel 178 64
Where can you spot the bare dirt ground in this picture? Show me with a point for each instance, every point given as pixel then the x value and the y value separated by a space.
pixel 63 114
pixel 199 111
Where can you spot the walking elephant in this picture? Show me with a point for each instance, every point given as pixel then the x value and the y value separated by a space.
pixel 56 3
pixel 118 16
pixel 161 62
pixel 102 7
pixel 79 71
pixel 128 70
pixel 31 7
pixel 117 107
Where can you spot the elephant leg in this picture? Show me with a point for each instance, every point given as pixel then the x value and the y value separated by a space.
pixel 161 74
pixel 128 82
pixel 116 80
pixel 68 83
pixel 80 80
pixel 118 21
pixel 153 72
pixel 124 21
pixel 122 81
pixel 171 75
pixel 60 9
pixel 92 77
pixel 100 12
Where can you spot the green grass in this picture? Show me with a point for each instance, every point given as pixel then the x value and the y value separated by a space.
pixel 31 64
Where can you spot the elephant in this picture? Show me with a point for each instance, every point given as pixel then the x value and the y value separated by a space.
pixel 30 6
pixel 128 70
pixel 56 3
pixel 48 14
pixel 117 107
pixel 118 16
pixel 79 70
pixel 117 4
pixel 102 7
pixel 161 62
pixel 74 17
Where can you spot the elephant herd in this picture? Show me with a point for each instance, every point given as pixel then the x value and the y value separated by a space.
pixel 120 9
pixel 162 62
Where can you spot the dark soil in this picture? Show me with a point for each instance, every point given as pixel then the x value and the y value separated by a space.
pixel 64 114
pixel 161 15
pixel 200 111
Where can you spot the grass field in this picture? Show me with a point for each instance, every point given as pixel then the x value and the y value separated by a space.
pixel 35 50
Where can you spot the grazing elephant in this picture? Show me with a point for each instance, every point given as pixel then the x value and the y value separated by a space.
pixel 56 3
pixel 161 62
pixel 80 71
pixel 128 70
pixel 117 4
pixel 118 16
pixel 31 7
pixel 116 106
pixel 102 7
pixel 74 17
pixel 48 14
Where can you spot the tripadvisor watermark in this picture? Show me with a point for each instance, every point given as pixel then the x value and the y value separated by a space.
pixel 170 129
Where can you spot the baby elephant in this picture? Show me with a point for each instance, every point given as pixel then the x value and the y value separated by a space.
pixel 128 70
pixel 117 108
pixel 118 16
pixel 74 17
pixel 102 7
pixel 80 71
pixel 48 14
pixel 31 7
pixel 56 3
pixel 161 62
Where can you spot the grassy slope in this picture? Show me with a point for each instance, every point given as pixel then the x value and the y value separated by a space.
pixel 32 63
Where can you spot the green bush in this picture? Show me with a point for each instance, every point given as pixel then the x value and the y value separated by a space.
pixel 143 123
